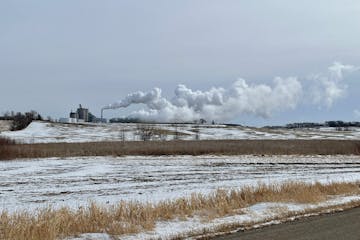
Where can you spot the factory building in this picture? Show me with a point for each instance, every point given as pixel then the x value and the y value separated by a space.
pixel 74 115
pixel 81 115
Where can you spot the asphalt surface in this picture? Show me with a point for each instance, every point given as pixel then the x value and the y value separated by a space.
pixel 335 226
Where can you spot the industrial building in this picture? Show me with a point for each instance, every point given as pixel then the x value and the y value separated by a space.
pixel 81 115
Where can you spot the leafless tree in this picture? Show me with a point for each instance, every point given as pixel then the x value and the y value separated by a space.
pixel 145 131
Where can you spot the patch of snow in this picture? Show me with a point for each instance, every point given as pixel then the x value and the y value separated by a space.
pixel 92 236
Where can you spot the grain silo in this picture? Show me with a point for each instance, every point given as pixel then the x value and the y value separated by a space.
pixel 83 113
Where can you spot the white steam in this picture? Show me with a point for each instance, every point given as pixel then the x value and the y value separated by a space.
pixel 326 89
pixel 217 103
pixel 221 104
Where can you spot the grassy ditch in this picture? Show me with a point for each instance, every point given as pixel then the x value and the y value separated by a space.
pixel 134 217
pixel 9 150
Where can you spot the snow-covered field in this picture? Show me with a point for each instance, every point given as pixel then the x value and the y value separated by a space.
pixel 43 132
pixel 26 184
pixel 37 183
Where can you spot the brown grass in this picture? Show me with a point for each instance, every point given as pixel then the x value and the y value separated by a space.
pixel 133 217
pixel 4 141
pixel 5 147
pixel 226 147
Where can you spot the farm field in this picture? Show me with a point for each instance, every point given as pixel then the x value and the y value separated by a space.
pixel 69 169
pixel 74 182
pixel 44 132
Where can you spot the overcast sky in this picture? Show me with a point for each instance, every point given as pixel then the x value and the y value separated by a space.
pixel 57 54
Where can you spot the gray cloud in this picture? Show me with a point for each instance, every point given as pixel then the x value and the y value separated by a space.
pixel 62 53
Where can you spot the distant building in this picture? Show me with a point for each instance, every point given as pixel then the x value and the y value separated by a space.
pixel 74 115
pixel 83 114
pixel 68 120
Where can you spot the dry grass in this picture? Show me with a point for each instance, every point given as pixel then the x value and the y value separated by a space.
pixel 6 141
pixel 226 147
pixel 133 217
pixel 5 147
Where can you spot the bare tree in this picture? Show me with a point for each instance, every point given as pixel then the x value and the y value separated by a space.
pixel 197 132
pixel 21 121
pixel 176 132
pixel 145 131
pixel 122 134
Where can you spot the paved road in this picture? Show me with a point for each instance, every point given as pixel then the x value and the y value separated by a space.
pixel 337 226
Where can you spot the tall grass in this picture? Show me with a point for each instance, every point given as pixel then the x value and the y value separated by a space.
pixel 133 217
pixel 226 147
pixel 6 141
pixel 5 147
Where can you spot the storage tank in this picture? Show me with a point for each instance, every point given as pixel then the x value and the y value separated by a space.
pixel 83 113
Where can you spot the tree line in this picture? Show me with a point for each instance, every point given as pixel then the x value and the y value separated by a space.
pixel 21 120
pixel 335 124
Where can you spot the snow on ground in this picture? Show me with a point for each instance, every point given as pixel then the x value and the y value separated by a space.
pixel 37 183
pixel 29 184
pixel 259 215
pixel 43 132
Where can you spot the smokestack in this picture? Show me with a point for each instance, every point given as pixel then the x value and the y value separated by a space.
pixel 102 111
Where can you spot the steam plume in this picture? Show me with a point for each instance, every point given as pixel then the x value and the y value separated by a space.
pixel 327 88
pixel 222 104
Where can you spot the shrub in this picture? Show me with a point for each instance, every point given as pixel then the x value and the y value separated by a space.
pixel 145 132
pixel 21 121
